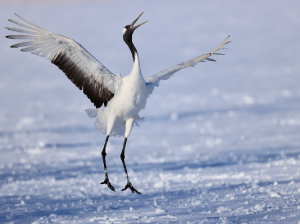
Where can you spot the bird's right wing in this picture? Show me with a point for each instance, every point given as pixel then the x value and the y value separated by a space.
pixel 154 80
pixel 97 82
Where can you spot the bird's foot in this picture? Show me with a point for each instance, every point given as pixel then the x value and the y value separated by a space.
pixel 129 185
pixel 106 181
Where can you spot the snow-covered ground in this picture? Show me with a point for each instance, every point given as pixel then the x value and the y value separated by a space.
pixel 221 141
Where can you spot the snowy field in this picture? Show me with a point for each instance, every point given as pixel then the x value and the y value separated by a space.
pixel 221 141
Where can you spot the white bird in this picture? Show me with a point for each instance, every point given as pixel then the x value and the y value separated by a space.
pixel 123 97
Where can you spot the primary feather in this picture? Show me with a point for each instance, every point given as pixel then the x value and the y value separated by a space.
pixel 154 80
pixel 97 82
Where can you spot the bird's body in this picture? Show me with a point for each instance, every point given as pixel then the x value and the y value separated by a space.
pixel 133 94
pixel 128 101
pixel 123 98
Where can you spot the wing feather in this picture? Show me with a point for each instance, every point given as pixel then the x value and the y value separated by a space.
pixel 22 36
pixel 154 80
pixel 22 30
pixel 24 44
pixel 97 82
pixel 23 24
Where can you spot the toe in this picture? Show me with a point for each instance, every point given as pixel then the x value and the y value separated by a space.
pixel 111 187
pixel 125 187
pixel 106 181
pixel 137 191
pixel 129 185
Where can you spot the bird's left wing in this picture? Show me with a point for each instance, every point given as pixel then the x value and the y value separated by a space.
pixel 85 71
pixel 154 80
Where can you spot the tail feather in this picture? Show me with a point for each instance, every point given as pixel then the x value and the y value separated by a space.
pixel 91 112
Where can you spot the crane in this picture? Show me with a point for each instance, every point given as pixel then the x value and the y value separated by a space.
pixel 123 97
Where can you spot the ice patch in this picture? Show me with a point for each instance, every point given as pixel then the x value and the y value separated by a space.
pixel 223 209
pixel 292 183
pixel 34 151
pixel 168 216
pixel 274 194
pixel 248 100
pixel 196 202
pixel 230 196
pixel 160 210
pixel 25 121
pixel 21 203
pixel 188 148
pixel 159 184
pixel 89 201
pixel 260 207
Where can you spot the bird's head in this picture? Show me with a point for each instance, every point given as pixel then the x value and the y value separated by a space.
pixel 128 30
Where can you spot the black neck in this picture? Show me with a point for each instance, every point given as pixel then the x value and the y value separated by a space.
pixel 132 49
pixel 127 37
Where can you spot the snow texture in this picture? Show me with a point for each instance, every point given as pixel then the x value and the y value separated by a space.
pixel 220 143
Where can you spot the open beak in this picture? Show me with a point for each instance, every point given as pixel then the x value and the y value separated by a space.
pixel 132 24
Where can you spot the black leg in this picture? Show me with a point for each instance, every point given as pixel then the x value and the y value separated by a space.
pixel 128 185
pixel 106 181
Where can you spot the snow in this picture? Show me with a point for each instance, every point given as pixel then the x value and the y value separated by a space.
pixel 221 141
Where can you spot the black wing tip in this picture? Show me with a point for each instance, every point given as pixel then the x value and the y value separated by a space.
pixel 14 46
pixel 10 36
pixel 217 53
pixel 210 59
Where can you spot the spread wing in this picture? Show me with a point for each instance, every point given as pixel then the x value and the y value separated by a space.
pixel 154 80
pixel 97 82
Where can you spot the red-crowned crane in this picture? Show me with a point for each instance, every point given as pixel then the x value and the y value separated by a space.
pixel 123 97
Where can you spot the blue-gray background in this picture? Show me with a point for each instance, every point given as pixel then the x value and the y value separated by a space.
pixel 221 140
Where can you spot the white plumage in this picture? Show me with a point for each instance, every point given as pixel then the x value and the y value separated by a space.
pixel 127 102
pixel 123 97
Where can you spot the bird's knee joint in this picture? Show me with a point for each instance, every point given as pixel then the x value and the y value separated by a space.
pixel 103 154
pixel 122 156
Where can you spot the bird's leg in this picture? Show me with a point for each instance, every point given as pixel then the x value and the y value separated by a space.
pixel 129 124
pixel 110 124
pixel 106 180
